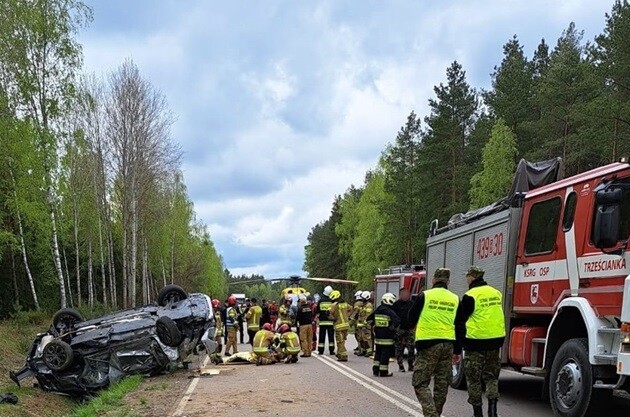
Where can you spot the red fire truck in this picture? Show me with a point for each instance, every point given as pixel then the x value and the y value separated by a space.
pixel 392 279
pixel 559 255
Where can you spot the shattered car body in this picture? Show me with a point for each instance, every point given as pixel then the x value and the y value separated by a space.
pixel 79 357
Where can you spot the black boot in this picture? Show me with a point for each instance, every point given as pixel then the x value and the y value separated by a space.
pixel 401 367
pixel 410 366
pixel 385 374
pixel 477 411
pixel 492 407
pixel 375 370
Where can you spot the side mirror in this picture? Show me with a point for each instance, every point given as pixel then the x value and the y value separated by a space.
pixel 606 226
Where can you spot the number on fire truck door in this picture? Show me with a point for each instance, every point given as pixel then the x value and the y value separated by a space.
pixel 491 254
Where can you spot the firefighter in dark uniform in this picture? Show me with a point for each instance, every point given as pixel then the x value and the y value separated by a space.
pixel 404 335
pixel 326 324
pixel 434 312
pixel 480 328
pixel 385 322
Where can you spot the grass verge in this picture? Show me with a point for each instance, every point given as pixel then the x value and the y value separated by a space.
pixel 110 402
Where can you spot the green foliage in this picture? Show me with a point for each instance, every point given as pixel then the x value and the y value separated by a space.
pixel 323 256
pixel 109 400
pixel 498 160
pixel 571 102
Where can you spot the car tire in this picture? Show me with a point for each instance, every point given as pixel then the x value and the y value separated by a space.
pixel 571 380
pixel 459 379
pixel 170 294
pixel 168 332
pixel 65 319
pixel 57 355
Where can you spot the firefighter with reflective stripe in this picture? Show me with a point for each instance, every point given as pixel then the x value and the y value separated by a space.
pixel 289 344
pixel 480 329
pixel 262 346
pixel 253 315
pixel 304 319
pixel 231 323
pixel 326 325
pixel 218 336
pixel 354 319
pixel 365 328
pixel 433 313
pixel 385 322
pixel 339 311
pixel 284 312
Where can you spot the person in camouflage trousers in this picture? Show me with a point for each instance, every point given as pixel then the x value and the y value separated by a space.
pixel 480 329
pixel 404 335
pixel 437 349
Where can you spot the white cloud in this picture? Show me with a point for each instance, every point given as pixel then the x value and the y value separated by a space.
pixel 284 105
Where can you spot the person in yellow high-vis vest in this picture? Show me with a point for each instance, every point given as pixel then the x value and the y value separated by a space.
pixel 480 329
pixel 433 312
pixel 339 311
pixel 262 346
pixel 254 312
pixel 289 344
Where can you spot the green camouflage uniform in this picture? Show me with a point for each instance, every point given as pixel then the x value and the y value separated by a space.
pixel 478 366
pixel 434 362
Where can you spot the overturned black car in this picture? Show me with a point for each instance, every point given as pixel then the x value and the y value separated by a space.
pixel 78 357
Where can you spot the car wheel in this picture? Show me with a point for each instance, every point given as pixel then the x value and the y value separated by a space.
pixel 57 355
pixel 171 294
pixel 65 320
pixel 571 381
pixel 168 332
pixel 459 377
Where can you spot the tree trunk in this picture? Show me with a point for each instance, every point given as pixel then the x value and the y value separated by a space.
pixel 65 264
pixel 163 272
pixel 77 253
pixel 31 282
pixel 16 292
pixel 112 269
pixel 56 256
pixel 173 258
pixel 90 275
pixel 134 251
pixel 103 274
pixel 124 268
pixel 145 276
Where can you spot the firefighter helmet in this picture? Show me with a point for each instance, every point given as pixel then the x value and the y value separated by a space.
pixel 335 295
pixel 366 295
pixel 284 328
pixel 357 295
pixel 267 326
pixel 388 299
pixel 216 303
pixel 231 300
pixel 328 290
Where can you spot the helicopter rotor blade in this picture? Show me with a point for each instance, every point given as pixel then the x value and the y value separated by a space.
pixel 333 280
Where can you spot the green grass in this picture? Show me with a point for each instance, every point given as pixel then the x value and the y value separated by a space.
pixel 109 400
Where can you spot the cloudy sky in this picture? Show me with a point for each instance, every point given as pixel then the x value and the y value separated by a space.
pixel 281 105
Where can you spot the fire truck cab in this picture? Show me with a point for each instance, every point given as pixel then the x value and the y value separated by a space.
pixel 559 255
pixel 394 278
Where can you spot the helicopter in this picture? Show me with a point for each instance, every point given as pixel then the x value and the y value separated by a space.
pixel 293 287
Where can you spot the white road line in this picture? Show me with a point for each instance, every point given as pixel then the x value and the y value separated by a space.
pixel 191 388
pixel 375 390
pixel 410 401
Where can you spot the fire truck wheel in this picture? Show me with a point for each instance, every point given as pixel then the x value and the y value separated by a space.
pixel 459 378
pixel 571 381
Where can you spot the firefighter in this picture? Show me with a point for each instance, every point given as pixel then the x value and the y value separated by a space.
pixel 240 309
pixel 365 328
pixel 218 336
pixel 326 325
pixel 404 335
pixel 253 315
pixel 231 323
pixel 385 321
pixel 480 329
pixel 284 312
pixel 289 346
pixel 354 319
pixel 339 312
pixel 433 314
pixel 261 348
pixel 305 325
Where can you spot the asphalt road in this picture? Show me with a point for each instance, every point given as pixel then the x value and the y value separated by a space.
pixel 322 386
